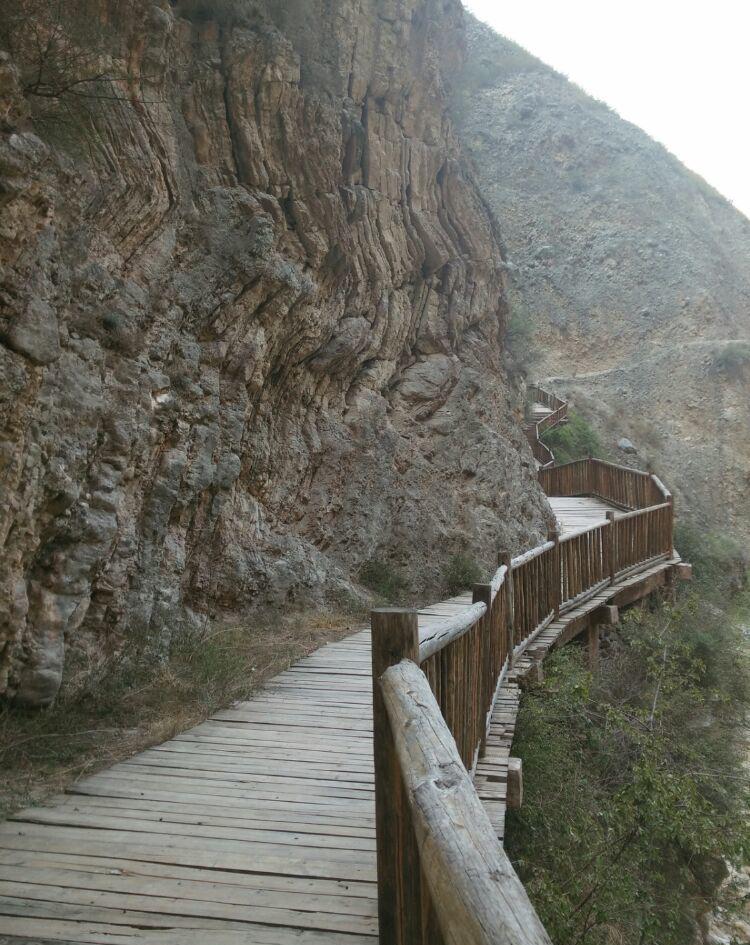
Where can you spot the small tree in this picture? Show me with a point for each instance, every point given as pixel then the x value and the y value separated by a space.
pixel 70 54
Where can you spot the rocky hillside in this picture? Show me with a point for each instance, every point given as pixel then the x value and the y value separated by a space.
pixel 251 318
pixel 631 273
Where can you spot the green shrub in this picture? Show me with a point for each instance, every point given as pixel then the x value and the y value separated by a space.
pixel 720 564
pixel 462 571
pixel 732 359
pixel 383 579
pixel 575 439
pixel 519 339
pixel 635 792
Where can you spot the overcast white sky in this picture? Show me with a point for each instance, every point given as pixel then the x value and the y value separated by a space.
pixel 679 70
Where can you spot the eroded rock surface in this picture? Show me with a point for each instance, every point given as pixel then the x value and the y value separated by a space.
pixel 251 327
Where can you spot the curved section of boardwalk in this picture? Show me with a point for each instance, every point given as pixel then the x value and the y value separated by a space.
pixel 258 827
pixel 255 827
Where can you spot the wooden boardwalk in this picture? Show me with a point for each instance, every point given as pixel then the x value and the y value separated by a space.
pixel 256 826
pixel 573 514
pixel 539 411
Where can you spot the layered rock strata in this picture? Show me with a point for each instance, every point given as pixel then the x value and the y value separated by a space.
pixel 251 325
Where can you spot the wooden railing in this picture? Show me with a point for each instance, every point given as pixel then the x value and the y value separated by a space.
pixel 620 485
pixel 558 407
pixel 442 875
pixel 542 453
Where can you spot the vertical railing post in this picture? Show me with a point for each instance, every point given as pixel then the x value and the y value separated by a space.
pixel 611 547
pixel 554 536
pixel 510 617
pixel 395 637
pixel 670 539
pixel 482 594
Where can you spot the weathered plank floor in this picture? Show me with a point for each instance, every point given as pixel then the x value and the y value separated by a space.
pixel 539 411
pixel 576 512
pixel 254 828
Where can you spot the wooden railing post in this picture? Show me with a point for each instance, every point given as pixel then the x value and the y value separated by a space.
pixel 510 622
pixel 395 637
pixel 480 712
pixel 670 546
pixel 611 547
pixel 554 536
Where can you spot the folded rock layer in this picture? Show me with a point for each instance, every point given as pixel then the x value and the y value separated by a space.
pixel 251 321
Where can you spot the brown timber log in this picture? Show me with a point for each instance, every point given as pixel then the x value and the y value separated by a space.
pixel 476 894
pixel 395 637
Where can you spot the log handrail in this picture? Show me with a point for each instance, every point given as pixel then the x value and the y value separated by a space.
pixel 431 836
pixel 450 631
pixel 471 894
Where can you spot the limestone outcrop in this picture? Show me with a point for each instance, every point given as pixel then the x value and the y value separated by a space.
pixel 252 310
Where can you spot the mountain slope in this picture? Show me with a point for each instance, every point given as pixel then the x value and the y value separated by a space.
pixel 633 274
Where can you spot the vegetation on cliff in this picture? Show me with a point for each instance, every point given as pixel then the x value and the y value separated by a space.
pixel 576 439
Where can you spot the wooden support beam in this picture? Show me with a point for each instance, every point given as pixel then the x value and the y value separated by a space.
pixel 611 547
pixel 684 571
pixel 607 613
pixel 514 796
pixel 534 676
pixel 554 536
pixel 506 559
pixel 593 644
pixel 636 592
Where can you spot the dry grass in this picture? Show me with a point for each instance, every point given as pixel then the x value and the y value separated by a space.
pixel 134 701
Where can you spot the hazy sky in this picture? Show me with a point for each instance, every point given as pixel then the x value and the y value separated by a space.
pixel 679 70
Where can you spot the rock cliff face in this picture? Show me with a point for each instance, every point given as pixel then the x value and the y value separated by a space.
pixel 633 274
pixel 251 321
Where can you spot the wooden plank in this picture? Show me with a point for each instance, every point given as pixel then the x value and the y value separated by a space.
pixel 285 818
pixel 159 908
pixel 159 825
pixel 209 854
pixel 148 872
pixel 81 924
pixel 258 804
